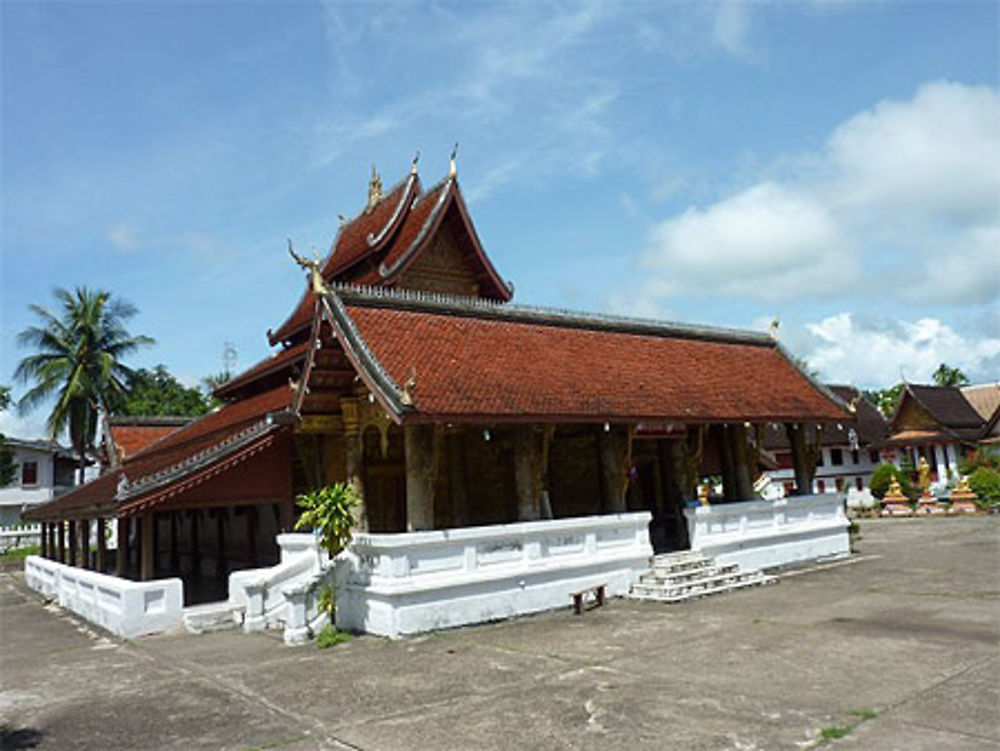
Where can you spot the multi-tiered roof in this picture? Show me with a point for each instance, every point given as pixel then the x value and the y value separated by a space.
pixel 408 305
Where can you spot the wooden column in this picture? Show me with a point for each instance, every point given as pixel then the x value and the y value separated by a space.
pixel 423 450
pixel 175 552
pixel 613 450
pixel 800 461
pixel 252 519
pixel 741 463
pixel 354 460
pixel 724 444
pixel 121 555
pixel 101 564
pixel 44 541
pixel 71 530
pixel 220 543
pixel 147 550
pixel 195 515
pixel 525 459
pixel 458 479
pixel 84 531
pixel 61 542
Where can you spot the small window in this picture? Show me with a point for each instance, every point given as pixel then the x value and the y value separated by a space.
pixel 839 482
pixel 789 488
pixel 855 456
pixel 836 457
pixel 29 473
pixel 819 458
pixel 873 456
pixel 858 483
pixel 820 486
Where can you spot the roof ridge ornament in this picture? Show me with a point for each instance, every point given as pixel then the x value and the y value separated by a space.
pixel 374 189
pixel 772 328
pixel 315 275
pixel 413 166
pixel 453 167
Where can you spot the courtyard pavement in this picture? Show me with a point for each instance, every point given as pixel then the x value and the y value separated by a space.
pixel 898 648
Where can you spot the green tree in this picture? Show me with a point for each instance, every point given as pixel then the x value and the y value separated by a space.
pixel 947 376
pixel 883 476
pixel 157 392
pixel 985 483
pixel 78 362
pixel 886 400
pixel 8 466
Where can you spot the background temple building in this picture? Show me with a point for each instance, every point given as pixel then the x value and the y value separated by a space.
pixel 846 452
pixel 405 370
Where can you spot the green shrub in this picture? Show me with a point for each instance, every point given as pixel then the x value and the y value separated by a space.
pixel 984 456
pixel 882 478
pixel 329 511
pixel 985 483
pixel 331 636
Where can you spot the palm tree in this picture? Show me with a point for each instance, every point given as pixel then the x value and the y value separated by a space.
pixel 78 361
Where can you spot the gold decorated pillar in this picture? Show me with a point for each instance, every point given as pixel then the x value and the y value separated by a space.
pixel 354 460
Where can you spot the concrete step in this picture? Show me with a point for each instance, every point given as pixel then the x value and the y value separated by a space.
pixel 676 577
pixel 212 616
pixel 656 576
pixel 708 583
pixel 719 589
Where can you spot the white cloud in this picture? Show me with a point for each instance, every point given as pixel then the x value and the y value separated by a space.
pixel 907 191
pixel 880 353
pixel 768 242
pixel 28 427
pixel 123 237
pixel 731 27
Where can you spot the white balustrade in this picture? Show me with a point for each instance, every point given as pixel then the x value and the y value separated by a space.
pixel 20 536
pixel 400 584
pixel 766 534
pixel 123 607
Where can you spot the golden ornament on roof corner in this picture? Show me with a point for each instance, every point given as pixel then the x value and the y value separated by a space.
pixel 315 275
pixel 453 167
pixel 374 189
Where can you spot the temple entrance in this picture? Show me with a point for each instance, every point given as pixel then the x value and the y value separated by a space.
pixel 385 479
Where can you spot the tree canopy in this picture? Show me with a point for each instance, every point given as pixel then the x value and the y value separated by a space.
pixel 78 360
pixel 948 376
pixel 156 392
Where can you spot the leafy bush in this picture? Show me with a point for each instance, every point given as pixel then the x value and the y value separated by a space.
pixel 330 511
pixel 985 483
pixel 984 456
pixel 331 636
pixel 882 478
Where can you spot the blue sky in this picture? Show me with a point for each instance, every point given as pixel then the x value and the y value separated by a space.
pixel 835 164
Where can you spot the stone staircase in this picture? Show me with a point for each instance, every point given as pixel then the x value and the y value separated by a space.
pixel 676 577
pixel 212 616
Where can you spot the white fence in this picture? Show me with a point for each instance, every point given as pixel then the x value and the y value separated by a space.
pixel 20 536
pixel 279 596
pixel 125 608
pixel 401 584
pixel 765 534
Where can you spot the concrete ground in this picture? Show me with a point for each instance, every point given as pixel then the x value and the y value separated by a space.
pixel 895 649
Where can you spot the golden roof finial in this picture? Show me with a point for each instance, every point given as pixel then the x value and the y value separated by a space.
pixel 413 167
pixel 374 189
pixel 453 168
pixel 772 329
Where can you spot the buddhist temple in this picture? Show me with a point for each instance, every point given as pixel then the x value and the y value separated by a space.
pixel 406 370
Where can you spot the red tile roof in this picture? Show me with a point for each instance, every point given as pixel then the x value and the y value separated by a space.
pixel 132 438
pixel 404 223
pixel 506 364
pixel 195 444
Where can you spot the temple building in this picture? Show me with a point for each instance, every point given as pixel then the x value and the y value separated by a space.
pixel 405 370
pixel 940 424
pixel 846 453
